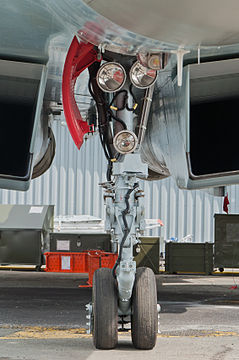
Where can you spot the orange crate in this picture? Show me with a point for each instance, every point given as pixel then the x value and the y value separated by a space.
pixel 83 262
pixel 100 259
pixel 66 262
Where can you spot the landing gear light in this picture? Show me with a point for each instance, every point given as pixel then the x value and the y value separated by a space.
pixel 142 77
pixel 125 142
pixel 111 77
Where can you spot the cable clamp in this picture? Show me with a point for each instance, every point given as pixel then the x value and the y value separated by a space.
pixel 113 108
pixel 102 47
pixel 147 99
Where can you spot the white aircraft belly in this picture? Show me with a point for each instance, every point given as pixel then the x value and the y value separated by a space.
pixel 181 22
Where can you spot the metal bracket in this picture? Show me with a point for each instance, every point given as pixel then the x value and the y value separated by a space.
pixel 159 310
pixel 132 164
pixel 89 318
pixel 180 54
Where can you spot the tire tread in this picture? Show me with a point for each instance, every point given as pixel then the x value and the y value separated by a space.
pixel 105 309
pixel 144 320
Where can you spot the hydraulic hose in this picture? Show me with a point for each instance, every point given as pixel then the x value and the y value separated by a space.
pixel 126 229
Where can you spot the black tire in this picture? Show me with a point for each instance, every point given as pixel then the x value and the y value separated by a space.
pixel 144 319
pixel 105 309
pixel 38 268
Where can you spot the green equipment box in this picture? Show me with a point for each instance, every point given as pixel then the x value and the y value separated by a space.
pixel 147 253
pixel 77 242
pixel 24 230
pixel 189 257
pixel 226 241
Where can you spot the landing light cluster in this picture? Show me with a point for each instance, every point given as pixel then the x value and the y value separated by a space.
pixel 111 76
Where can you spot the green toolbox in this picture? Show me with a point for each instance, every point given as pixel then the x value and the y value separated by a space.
pixel 226 241
pixel 146 254
pixel 78 242
pixel 24 231
pixel 189 257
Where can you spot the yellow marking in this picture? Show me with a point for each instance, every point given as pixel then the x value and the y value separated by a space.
pixel 227 302
pixel 135 106
pixel 236 273
pixel 18 267
pixel 113 107
pixel 201 335
pixel 56 333
pixel 190 272
pixel 113 160
pixel 45 333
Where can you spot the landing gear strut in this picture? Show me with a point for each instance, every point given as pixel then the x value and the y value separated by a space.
pixel 125 291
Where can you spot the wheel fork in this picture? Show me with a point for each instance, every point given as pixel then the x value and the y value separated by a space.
pixel 125 222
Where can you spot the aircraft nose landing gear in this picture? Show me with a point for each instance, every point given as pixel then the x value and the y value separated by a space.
pixel 124 292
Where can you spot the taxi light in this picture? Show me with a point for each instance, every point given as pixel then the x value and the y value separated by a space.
pixel 155 62
pixel 158 61
pixel 125 142
pixel 111 77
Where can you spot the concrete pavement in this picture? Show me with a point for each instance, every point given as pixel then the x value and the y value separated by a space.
pixel 42 316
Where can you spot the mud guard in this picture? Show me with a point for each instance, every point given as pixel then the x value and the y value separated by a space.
pixel 79 57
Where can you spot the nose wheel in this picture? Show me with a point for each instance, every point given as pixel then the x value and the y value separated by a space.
pixel 144 318
pixel 105 309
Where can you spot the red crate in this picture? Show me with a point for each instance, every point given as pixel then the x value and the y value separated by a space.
pixel 66 262
pixel 98 260
pixel 83 262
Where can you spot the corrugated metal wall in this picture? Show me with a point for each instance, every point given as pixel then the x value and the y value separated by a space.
pixel 72 186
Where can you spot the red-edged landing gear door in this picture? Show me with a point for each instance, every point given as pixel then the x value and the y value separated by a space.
pixel 79 57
